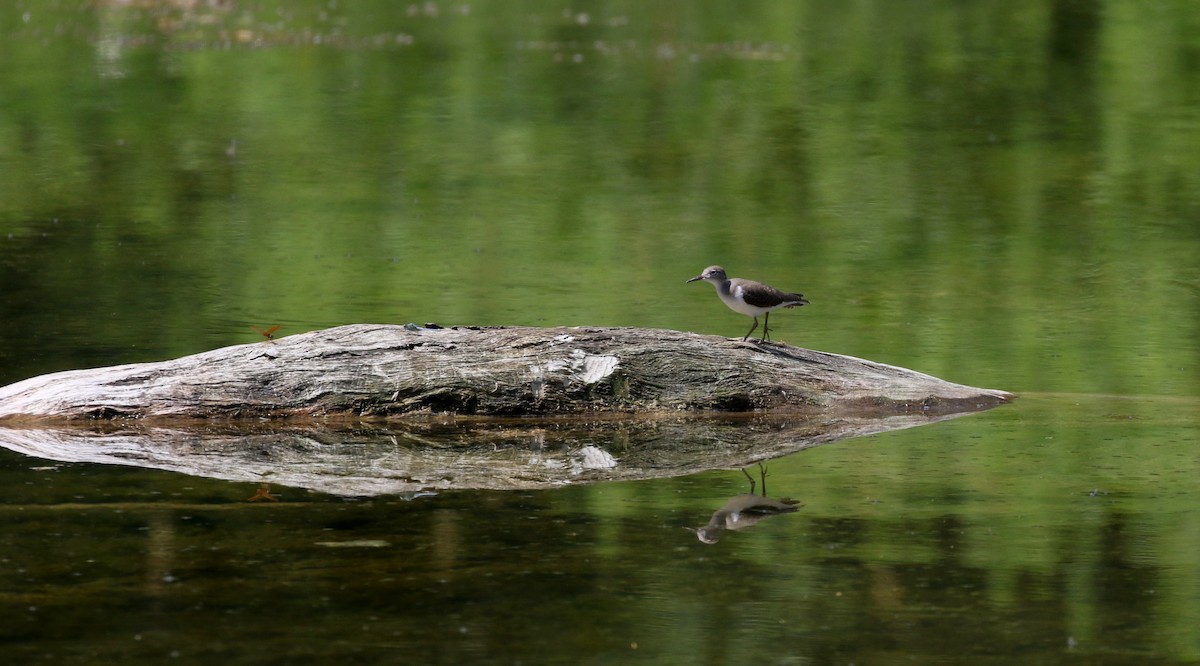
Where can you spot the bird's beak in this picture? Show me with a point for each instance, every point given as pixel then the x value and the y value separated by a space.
pixel 698 277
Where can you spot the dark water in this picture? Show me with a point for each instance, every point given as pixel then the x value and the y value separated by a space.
pixel 1061 529
pixel 1001 195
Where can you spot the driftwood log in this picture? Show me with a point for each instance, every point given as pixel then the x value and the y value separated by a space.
pixel 366 370
pixel 375 409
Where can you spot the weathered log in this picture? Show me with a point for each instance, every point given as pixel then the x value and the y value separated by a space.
pixel 386 370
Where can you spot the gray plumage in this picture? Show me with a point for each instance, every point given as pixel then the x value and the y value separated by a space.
pixel 749 297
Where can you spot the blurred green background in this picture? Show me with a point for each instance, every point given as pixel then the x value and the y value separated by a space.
pixel 988 191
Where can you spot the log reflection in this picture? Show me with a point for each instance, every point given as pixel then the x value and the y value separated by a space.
pixel 370 459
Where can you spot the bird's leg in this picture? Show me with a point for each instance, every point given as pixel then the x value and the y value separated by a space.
pixel 762 470
pixel 751 330
pixel 766 326
pixel 750 479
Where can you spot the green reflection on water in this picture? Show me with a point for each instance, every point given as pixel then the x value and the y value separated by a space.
pixel 1058 526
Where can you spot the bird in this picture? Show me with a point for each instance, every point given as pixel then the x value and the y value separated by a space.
pixel 749 297
pixel 742 511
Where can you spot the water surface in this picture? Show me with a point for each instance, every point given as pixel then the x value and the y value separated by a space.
pixel 1000 195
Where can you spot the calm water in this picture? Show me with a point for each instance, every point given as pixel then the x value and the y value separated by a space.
pixel 1001 195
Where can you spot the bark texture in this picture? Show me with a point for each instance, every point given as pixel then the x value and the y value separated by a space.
pixel 368 370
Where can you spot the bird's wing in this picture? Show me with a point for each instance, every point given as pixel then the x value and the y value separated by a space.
pixel 761 295
pixel 765 296
pixel 770 506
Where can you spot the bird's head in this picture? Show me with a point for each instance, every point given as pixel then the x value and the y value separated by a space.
pixel 708 534
pixel 711 274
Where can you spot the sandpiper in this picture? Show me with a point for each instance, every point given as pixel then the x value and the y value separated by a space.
pixel 749 297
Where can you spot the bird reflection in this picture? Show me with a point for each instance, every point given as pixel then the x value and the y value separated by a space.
pixel 744 510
